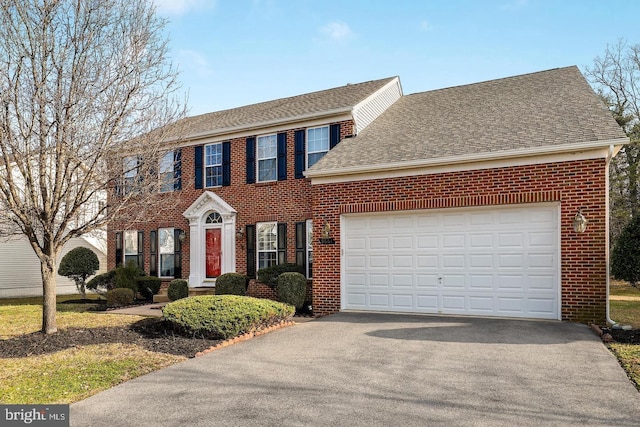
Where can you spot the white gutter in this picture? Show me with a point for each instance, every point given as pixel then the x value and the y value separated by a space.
pixel 468 158
pixel 606 246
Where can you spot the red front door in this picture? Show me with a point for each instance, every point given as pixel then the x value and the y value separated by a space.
pixel 213 252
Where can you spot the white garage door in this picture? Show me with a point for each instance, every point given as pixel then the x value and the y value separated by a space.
pixel 483 261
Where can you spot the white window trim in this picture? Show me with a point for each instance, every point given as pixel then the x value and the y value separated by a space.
pixel 306 143
pixel 275 136
pixel 309 249
pixel 172 171
pixel 258 251
pixel 160 253
pixel 205 165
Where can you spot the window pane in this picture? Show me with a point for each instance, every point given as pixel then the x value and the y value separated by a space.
pixel 213 176
pixel 213 155
pixel 130 167
pixel 166 182
pixel 266 259
pixel 167 265
pixel 166 163
pixel 267 237
pixel 314 157
pixel 165 240
pixel 131 258
pixel 267 170
pixel 267 147
pixel 317 144
pixel 131 242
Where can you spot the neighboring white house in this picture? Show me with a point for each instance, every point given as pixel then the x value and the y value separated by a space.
pixel 20 267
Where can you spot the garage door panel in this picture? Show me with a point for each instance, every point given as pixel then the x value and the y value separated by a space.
pixel 501 261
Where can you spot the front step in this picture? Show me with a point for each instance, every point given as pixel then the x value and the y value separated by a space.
pixel 203 290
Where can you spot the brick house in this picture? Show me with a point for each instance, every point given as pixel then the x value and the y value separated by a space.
pixel 454 201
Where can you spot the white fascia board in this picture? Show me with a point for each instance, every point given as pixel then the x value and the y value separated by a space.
pixel 530 156
pixel 304 120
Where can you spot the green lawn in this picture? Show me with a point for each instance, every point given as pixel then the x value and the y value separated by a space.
pixel 73 374
pixel 625 309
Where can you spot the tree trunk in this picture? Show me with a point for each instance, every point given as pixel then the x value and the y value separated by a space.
pixel 48 270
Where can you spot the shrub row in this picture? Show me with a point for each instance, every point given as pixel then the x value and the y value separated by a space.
pixel 224 316
pixel 127 277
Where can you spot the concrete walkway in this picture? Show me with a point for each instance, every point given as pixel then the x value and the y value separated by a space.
pixel 149 310
pixel 383 370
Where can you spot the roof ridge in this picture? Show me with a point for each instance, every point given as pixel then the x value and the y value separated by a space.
pixel 496 80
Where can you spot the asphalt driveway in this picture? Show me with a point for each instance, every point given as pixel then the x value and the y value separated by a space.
pixel 375 369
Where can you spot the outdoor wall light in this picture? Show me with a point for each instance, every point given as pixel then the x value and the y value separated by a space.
pixel 579 222
pixel 239 233
pixel 182 236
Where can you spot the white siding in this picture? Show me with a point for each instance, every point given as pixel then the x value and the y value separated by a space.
pixel 20 268
pixel 368 110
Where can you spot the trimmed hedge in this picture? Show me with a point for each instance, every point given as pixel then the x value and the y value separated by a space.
pixel 231 284
pixel 292 289
pixel 126 277
pixel 103 283
pixel 119 296
pixel 224 316
pixel 178 289
pixel 269 275
pixel 148 286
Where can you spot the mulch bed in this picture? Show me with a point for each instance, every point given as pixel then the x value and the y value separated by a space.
pixel 621 336
pixel 151 334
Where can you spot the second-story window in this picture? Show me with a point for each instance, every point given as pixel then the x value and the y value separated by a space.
pixel 267 158
pixel 317 144
pixel 166 172
pixel 213 165
pixel 130 172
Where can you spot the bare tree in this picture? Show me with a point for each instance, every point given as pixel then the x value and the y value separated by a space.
pixel 616 76
pixel 83 84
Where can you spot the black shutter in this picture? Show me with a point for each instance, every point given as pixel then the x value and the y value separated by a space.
pixel 177 169
pixel 334 135
pixel 282 243
pixel 177 254
pixel 141 250
pixel 226 163
pixel 118 249
pixel 251 160
pixel 301 245
pixel 199 154
pixel 300 152
pixel 282 156
pixel 153 253
pixel 251 250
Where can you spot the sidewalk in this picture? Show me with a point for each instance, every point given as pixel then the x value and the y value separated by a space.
pixel 149 310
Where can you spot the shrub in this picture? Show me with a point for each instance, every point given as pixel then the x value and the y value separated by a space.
pixel 178 289
pixel 269 275
pixel 224 316
pixel 625 257
pixel 126 277
pixel 231 284
pixel 78 264
pixel 148 286
pixel 292 289
pixel 119 296
pixel 102 283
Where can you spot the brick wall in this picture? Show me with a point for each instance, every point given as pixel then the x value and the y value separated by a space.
pixel 576 185
pixel 286 201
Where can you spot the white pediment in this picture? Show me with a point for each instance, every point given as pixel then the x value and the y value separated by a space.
pixel 207 202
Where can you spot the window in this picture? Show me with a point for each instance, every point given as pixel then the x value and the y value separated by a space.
pixel 267 244
pixel 267 158
pixel 214 218
pixel 309 272
pixel 213 165
pixel 130 172
pixel 166 244
pixel 130 246
pixel 317 144
pixel 166 172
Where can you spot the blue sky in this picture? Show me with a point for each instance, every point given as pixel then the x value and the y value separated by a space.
pixel 238 52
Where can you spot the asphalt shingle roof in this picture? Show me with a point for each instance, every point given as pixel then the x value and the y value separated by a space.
pixel 301 106
pixel 555 107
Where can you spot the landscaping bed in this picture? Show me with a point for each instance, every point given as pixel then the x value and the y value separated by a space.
pixel 622 336
pixel 151 334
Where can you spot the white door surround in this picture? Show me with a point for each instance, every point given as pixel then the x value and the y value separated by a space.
pixel 490 261
pixel 197 214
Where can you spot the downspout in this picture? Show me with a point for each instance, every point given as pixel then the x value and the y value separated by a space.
pixel 607 240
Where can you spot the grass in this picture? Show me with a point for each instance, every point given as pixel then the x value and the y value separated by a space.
pixel 625 309
pixel 73 374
